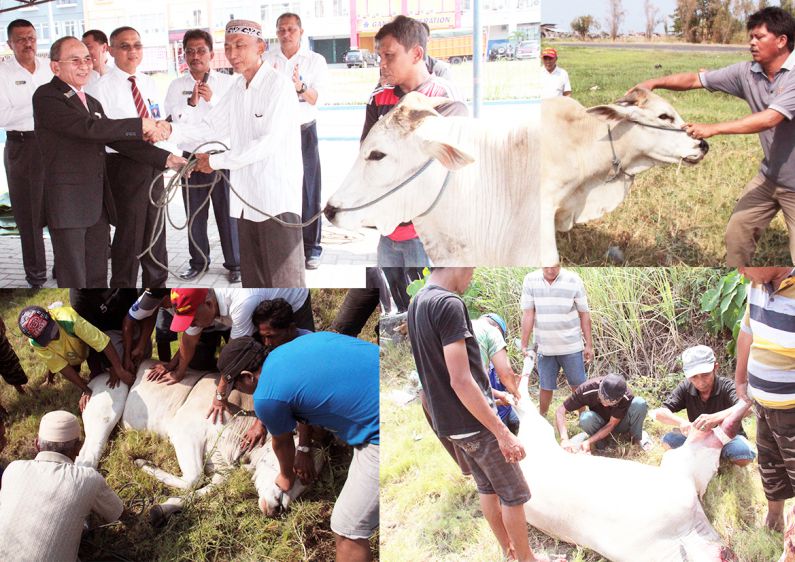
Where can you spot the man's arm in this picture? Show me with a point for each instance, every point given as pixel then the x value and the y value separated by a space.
pixel 504 372
pixel 284 449
pixel 134 350
pixel 750 124
pixel 606 430
pixel 585 326
pixel 304 465
pixel 667 417
pixel 187 349
pixel 462 383
pixel 71 374
pixel 744 341
pixel 117 371
pixel 528 321
pixel 678 82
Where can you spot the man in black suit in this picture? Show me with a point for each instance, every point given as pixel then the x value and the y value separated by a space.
pixel 72 131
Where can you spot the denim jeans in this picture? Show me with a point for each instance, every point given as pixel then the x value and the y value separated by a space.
pixel 632 423
pixel 549 365
pixel 408 253
pixel 737 449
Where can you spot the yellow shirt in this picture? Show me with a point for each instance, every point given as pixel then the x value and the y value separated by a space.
pixel 75 337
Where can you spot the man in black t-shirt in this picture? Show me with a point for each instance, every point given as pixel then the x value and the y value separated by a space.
pixel 708 400
pixel 462 407
pixel 611 409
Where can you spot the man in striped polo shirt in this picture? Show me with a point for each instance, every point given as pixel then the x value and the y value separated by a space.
pixel 555 305
pixel 766 372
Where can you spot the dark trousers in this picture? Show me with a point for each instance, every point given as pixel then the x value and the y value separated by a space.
pixel 194 197
pixel 311 196
pixel 355 311
pixel 398 279
pixel 303 317
pixel 129 182
pixel 10 369
pixel 81 254
pixel 25 176
pixel 271 254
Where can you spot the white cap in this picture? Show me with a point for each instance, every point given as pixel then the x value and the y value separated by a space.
pixel 698 360
pixel 59 427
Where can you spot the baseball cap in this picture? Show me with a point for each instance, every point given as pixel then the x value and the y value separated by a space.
pixel 59 427
pixel 37 324
pixel 549 52
pixel 612 388
pixel 241 354
pixel 499 321
pixel 185 302
pixel 698 360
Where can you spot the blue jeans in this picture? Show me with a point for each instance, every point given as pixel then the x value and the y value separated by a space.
pixel 738 449
pixel 511 421
pixel 632 423
pixel 549 365
pixel 409 253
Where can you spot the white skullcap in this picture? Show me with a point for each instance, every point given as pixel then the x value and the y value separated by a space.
pixel 59 427
pixel 246 27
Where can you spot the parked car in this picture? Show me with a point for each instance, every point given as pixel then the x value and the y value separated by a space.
pixel 528 50
pixel 361 57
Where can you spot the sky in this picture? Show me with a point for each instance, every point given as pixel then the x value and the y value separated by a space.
pixel 561 12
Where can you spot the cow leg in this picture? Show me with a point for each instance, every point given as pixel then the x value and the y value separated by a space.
pixel 547 245
pixel 190 456
pixel 272 500
pixel 102 413
pixel 161 512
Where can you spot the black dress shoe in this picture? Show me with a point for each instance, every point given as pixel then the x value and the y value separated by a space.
pixel 234 276
pixel 189 273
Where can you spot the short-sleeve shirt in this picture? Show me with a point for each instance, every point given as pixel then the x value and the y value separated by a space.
pixel 554 84
pixel 587 394
pixel 490 342
pixel 748 81
pixel 686 397
pixel 324 379
pixel 557 307
pixel 312 70
pixel 43 504
pixel 76 339
pixel 436 318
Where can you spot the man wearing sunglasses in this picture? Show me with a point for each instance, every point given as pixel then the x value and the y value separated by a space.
pixel 72 131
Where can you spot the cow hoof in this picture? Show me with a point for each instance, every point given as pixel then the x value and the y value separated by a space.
pixel 140 463
pixel 615 255
pixel 157 518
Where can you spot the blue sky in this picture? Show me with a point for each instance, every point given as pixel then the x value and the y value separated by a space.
pixel 561 12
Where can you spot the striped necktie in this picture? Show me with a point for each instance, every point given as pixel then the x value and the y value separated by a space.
pixel 140 106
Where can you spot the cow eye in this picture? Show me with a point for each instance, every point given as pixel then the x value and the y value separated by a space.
pixel 666 117
pixel 375 155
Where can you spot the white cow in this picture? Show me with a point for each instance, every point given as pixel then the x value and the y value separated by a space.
pixel 179 413
pixel 510 184
pixel 624 510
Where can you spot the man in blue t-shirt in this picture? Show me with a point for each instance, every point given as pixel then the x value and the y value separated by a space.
pixel 327 380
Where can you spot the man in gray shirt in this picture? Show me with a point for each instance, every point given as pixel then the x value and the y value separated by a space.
pixel 768 86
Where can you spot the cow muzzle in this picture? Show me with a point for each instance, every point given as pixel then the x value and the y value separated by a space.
pixel 330 212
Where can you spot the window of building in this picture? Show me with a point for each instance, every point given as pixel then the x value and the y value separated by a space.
pixel 319 8
pixel 65 3
pixel 43 32
pixel 341 7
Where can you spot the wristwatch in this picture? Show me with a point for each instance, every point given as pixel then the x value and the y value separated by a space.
pixel 303 88
pixel 220 397
pixel 302 448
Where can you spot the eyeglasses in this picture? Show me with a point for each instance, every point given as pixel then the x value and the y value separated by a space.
pixel 30 39
pixel 131 47
pixel 201 51
pixel 77 61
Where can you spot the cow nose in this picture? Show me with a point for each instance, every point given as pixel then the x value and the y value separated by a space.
pixel 330 212
pixel 704 146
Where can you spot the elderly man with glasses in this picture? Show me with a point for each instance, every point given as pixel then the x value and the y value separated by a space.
pixel 72 130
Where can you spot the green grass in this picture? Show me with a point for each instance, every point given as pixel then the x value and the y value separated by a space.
pixel 673 215
pixel 224 525
pixel 643 319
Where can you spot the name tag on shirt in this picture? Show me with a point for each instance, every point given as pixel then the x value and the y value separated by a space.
pixel 154 110
pixel 20 82
pixel 187 92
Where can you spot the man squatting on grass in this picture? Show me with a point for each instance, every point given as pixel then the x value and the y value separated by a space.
pixel 462 406
pixel 768 85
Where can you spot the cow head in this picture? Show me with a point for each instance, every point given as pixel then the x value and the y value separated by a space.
pixel 397 147
pixel 668 144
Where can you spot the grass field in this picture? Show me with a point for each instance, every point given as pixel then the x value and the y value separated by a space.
pixel 673 215
pixel 430 512
pixel 225 525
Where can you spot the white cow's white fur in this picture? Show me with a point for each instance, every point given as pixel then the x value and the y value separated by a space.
pixel 179 412
pixel 624 510
pixel 512 184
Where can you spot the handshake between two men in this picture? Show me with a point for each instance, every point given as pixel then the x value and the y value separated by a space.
pixel 156 131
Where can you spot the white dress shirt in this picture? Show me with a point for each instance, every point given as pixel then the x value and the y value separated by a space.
pixel 554 84
pixel 265 160
pixel 176 104
pixel 16 93
pixel 312 69
pixel 43 503
pixel 114 92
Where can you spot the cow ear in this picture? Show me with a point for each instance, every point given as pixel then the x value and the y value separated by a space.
pixel 609 112
pixel 451 157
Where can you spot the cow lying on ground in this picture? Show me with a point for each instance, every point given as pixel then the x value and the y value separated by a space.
pixel 179 412
pixel 624 510
pixel 510 185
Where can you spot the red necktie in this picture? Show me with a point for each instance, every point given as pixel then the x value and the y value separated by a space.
pixel 82 95
pixel 140 106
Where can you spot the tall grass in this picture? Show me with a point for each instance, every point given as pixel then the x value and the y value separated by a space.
pixel 643 319
pixel 224 525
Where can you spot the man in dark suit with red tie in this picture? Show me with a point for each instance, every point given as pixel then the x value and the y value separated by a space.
pixel 73 130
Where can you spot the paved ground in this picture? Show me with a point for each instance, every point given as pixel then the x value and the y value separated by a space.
pixel 345 252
